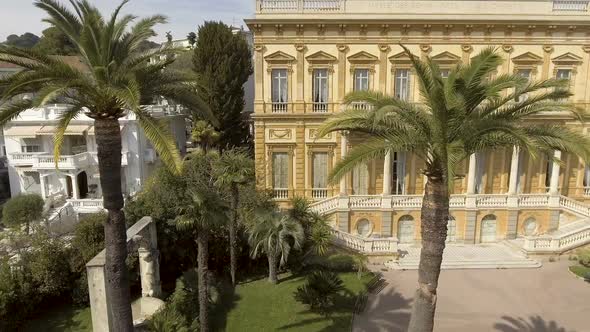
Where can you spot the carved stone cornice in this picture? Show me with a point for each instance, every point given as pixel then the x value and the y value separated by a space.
pixel 508 48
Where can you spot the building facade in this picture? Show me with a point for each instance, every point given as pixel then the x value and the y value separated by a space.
pixel 310 53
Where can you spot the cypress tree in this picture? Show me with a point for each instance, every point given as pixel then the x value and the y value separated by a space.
pixel 223 63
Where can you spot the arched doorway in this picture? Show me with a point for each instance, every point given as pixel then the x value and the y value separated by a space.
pixel 452 230
pixel 405 229
pixel 82 180
pixel 488 229
pixel 530 226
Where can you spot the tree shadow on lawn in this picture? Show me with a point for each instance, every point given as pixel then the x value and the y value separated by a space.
pixel 228 300
pixel 394 319
pixel 536 324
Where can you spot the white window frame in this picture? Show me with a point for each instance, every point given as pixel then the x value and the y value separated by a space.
pixel 361 80
pixel 402 83
pixel 320 89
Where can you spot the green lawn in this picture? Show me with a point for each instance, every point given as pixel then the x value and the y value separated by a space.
pixel 580 270
pixel 61 319
pixel 260 306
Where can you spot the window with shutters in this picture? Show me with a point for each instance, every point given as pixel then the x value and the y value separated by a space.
pixel 280 169
pixel 361 79
pixel 402 84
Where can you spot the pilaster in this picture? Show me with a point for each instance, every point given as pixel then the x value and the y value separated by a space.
pixel 383 67
pixel 470 220
pixel 386 223
pixel 342 50
pixel 512 224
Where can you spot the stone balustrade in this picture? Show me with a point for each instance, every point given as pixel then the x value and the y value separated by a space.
pixel 365 245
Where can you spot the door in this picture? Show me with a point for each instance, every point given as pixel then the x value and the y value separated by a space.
pixel 452 230
pixel 83 185
pixel 488 229
pixel 405 231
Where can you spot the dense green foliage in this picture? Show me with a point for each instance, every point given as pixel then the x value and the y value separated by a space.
pixel 22 210
pixel 223 62
pixel 320 291
pixel 53 41
pixel 26 40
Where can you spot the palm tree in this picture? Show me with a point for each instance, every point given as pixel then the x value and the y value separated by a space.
pixel 205 135
pixel 275 234
pixel 116 80
pixel 315 226
pixel 467 112
pixel 203 212
pixel 234 169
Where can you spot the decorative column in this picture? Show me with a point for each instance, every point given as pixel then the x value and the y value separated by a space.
pixel 64 184
pixel 342 50
pixel 75 189
pixel 387 175
pixel 343 153
pixel 554 184
pixel 471 175
pixel 43 187
pixel 513 184
pixel 299 101
pixel 149 269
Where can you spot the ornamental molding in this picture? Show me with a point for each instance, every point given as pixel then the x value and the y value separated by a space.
pixel 342 48
pixel 508 48
pixel 548 48
pixel 446 58
pixel 586 48
pixel 528 58
pixel 321 57
pixel 300 47
pixel 279 57
pixel 384 48
pixel 425 48
pixel 467 48
pixel 567 59
pixel 280 134
pixel 401 58
pixel 362 57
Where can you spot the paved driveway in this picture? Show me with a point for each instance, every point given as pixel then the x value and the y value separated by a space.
pixel 548 299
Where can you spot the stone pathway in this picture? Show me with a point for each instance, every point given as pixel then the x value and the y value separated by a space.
pixel 458 256
pixel 548 299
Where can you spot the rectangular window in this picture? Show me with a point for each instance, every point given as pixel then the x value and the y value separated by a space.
pixel 320 170
pixel 360 180
pixel 279 88
pixel 320 90
pixel 525 73
pixel 30 145
pixel 444 73
pixel 548 172
pixel 586 182
pixel 280 170
pixel 361 80
pixel 402 84
pixel 564 74
pixel 398 173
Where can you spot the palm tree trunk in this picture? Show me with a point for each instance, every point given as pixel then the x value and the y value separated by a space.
pixel 202 273
pixel 108 140
pixel 232 234
pixel 272 268
pixel 434 217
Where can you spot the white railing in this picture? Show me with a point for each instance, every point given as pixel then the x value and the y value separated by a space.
pixel 87 204
pixel 279 193
pixel 558 243
pixel 364 202
pixel 299 6
pixel 325 206
pixel 319 193
pixel 574 206
pixel 320 107
pixel 76 161
pixel 322 5
pixel 280 107
pixel 406 201
pixel 570 5
pixel 361 105
pixel 538 200
pixel 364 245
pixel 457 201
pixel 491 200
pixel 23 158
pixel 278 5
pixel 587 191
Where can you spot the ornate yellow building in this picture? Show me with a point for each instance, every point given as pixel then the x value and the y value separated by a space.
pixel 310 53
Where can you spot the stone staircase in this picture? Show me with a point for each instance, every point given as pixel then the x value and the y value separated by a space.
pixel 457 256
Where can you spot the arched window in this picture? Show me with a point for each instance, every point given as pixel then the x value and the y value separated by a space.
pixel 405 229
pixel 488 228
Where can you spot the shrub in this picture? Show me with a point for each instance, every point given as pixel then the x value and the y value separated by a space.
pixel 320 291
pixel 336 262
pixel 22 209
pixel 584 258
pixel 48 265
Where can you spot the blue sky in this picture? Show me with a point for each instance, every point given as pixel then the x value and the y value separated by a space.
pixel 20 16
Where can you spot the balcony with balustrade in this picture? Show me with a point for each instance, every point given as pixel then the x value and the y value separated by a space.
pixel 415 8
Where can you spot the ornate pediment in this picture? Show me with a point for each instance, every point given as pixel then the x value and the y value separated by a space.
pixel 321 57
pixel 528 58
pixel 401 58
pixel 446 58
pixel 362 57
pixel 279 57
pixel 567 59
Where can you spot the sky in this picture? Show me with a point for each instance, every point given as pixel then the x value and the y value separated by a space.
pixel 20 16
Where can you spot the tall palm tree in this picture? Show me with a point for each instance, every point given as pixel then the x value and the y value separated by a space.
pixel 235 168
pixel 116 80
pixel 205 135
pixel 275 234
pixel 203 211
pixel 467 112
